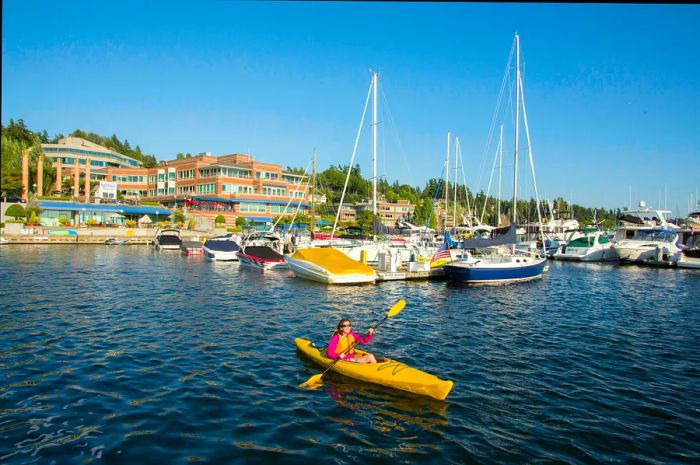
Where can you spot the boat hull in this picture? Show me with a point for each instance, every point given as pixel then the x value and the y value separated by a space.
pixel 307 270
pixel 494 273
pixel 649 254
pixel 587 254
pixel 389 373
pixel 220 255
pixel 261 263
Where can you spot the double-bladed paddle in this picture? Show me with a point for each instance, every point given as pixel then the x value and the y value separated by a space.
pixel 316 379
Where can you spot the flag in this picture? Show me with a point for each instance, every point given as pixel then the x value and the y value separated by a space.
pixel 443 252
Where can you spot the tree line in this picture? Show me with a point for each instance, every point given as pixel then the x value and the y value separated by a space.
pixel 16 137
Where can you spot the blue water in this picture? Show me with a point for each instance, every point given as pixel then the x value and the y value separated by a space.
pixel 126 355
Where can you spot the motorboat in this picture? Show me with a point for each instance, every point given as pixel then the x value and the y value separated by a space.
pixel 651 246
pixel 222 248
pixel 192 247
pixel 116 241
pixel 330 266
pixel 690 257
pixel 167 239
pixel 263 250
pixel 591 245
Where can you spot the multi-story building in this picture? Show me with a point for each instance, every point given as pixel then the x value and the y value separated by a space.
pixel 231 185
pixel 389 213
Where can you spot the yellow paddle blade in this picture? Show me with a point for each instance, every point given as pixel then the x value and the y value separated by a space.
pixel 312 382
pixel 396 308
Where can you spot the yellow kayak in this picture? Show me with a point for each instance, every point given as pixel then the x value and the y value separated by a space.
pixel 388 373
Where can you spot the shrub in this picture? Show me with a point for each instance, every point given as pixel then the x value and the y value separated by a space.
pixel 130 223
pixel 219 219
pixel 237 229
pixel 33 219
pixel 63 221
pixel 191 224
pixel 240 221
pixel 91 222
pixel 16 211
pixel 178 216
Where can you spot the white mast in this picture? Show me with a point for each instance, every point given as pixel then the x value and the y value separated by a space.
pixel 500 167
pixel 447 180
pixel 374 145
pixel 517 121
pixel 454 198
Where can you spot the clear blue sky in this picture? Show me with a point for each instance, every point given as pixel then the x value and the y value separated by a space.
pixel 612 91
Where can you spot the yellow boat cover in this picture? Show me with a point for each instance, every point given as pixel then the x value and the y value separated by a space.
pixel 333 260
pixel 388 373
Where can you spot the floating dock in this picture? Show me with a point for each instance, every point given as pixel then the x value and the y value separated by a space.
pixel 405 275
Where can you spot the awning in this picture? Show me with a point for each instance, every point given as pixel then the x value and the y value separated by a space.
pixel 258 219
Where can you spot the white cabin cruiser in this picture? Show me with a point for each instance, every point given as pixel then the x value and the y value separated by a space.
pixel 591 245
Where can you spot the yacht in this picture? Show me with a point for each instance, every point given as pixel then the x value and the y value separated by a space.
pixel 651 246
pixel 590 245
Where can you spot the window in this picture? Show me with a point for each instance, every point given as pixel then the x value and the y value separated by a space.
pixel 206 189
pixel 253 207
pixel 237 189
pixel 274 191
pixel 282 209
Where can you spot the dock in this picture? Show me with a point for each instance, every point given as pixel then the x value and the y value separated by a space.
pixel 405 275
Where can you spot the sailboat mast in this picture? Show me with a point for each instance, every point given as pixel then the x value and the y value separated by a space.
pixel 517 120
pixel 313 180
pixel 374 145
pixel 500 168
pixel 454 198
pixel 447 181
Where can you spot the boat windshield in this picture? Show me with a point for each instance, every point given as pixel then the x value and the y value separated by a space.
pixel 654 236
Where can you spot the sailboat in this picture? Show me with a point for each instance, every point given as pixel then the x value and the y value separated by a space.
pixel 496 263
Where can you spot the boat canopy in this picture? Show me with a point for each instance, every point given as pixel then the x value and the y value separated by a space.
pixel 332 260
pixel 499 236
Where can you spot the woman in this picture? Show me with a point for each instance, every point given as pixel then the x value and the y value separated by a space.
pixel 344 337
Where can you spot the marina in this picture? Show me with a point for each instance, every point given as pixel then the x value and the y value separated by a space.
pixel 291 233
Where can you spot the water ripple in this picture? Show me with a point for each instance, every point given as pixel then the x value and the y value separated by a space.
pixel 126 355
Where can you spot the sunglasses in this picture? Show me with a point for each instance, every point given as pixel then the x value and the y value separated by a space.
pixel 346 324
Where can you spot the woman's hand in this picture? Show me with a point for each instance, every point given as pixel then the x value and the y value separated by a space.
pixel 370 331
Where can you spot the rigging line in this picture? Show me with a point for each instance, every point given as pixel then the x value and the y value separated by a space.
pixel 466 190
pixel 432 204
pixel 532 167
pixel 290 198
pixel 354 151
pixel 393 126
pixel 506 75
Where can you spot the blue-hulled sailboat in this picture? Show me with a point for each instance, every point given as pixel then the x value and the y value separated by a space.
pixel 496 260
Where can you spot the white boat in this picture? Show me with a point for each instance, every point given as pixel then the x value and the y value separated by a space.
pixel 262 250
pixel 494 262
pixel 167 239
pixel 221 248
pixel 329 266
pixel 591 245
pixel 650 246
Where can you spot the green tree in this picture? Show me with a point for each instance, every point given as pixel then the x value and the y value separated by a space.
pixel 365 220
pixel 178 216
pixel 240 221
pixel 219 219
pixel 16 211
pixel 33 208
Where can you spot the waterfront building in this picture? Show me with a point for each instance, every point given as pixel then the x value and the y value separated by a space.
pixel 233 185
pixel 389 213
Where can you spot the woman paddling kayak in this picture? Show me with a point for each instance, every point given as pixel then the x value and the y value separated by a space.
pixel 344 337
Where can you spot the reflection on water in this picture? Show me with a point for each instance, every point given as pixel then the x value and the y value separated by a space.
pixel 128 355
